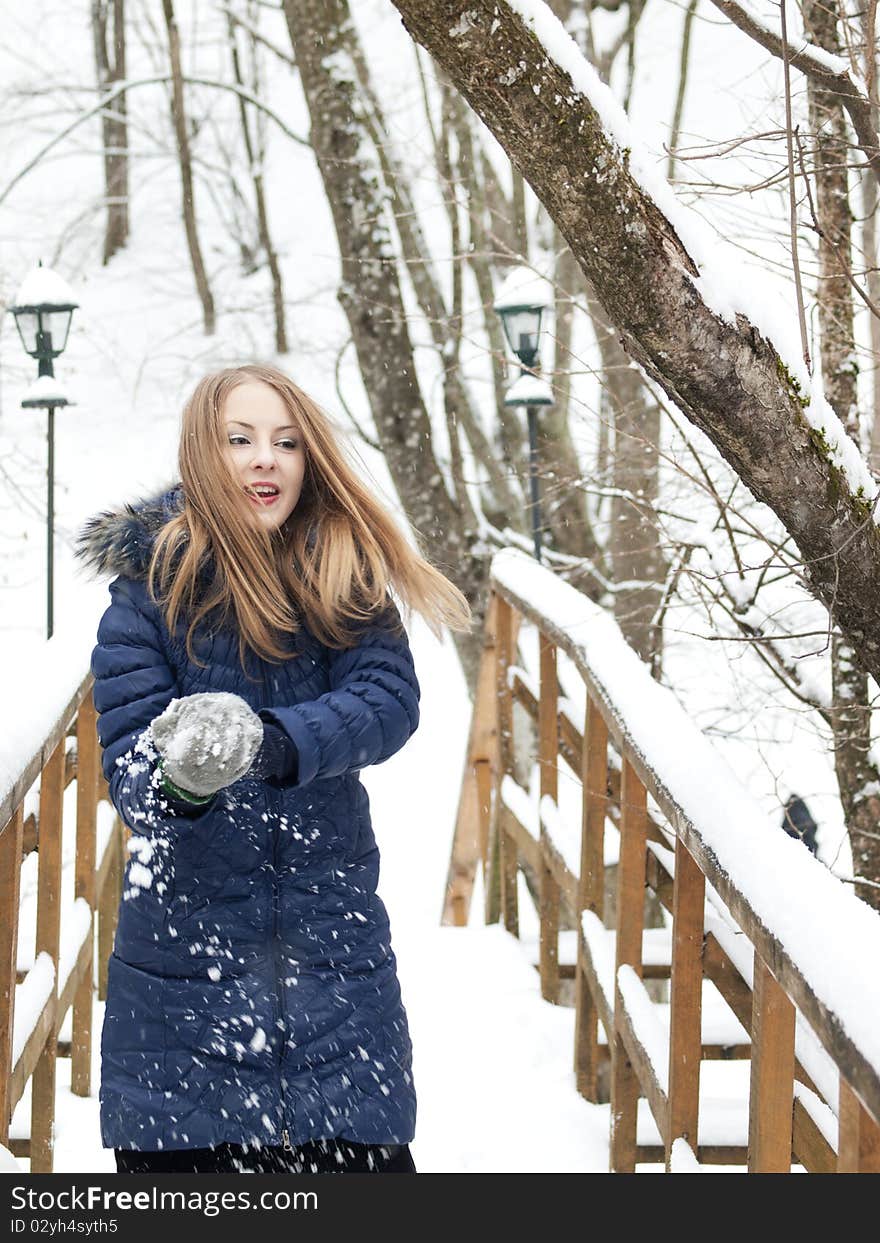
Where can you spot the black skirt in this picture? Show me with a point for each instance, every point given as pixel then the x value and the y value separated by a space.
pixel 320 1156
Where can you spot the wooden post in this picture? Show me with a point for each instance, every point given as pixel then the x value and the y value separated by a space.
pixel 548 750
pixel 504 640
pixel 771 1094
pixel 630 926
pixel 505 630
pixel 86 826
pixel 858 1147
pixel 485 780
pixel 509 873
pixel 471 844
pixel 109 905
pixel 485 758
pixel 48 937
pixel 10 881
pixel 591 889
pixel 685 1039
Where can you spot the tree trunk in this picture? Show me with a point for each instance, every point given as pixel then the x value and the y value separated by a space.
pixel 321 33
pixel 638 567
pixel 511 443
pixel 114 125
pixel 567 513
pixel 501 499
pixel 725 377
pixel 178 113
pixel 857 777
pixel 870 205
pixel 255 165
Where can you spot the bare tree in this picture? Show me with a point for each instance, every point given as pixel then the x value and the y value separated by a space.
pixel 255 154
pixel 108 37
pixel 322 35
pixel 725 377
pixel 870 205
pixel 501 496
pixel 178 112
pixel 857 775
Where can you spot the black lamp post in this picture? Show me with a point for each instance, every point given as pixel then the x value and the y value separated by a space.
pixel 521 303
pixel 43 310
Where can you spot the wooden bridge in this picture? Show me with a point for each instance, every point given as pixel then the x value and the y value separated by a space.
pixel 767 1051
pixel 741 1029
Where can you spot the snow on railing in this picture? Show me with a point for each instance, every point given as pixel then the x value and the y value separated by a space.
pixel 40 691
pixel 795 961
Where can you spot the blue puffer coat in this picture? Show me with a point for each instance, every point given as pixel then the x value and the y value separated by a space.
pixel 252 992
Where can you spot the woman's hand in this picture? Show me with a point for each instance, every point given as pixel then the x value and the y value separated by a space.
pixel 206 742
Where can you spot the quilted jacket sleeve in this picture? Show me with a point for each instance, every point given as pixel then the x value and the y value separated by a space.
pixel 133 684
pixel 368 714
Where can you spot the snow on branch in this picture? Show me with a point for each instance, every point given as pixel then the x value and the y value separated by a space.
pixel 718 268
pixel 723 345
pixel 831 72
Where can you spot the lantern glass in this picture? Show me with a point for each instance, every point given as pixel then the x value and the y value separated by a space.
pixel 523 328
pixel 28 324
pixel 57 325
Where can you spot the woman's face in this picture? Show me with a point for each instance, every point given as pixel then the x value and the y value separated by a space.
pixel 265 450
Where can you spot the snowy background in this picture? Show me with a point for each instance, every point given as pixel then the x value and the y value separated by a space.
pixel 492 1063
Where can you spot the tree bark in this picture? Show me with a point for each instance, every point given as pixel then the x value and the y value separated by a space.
pixel 114 125
pixel 263 232
pixel 870 205
pixel 500 496
pixel 178 113
pixel 726 378
pixel 511 443
pixel 637 561
pixel 858 779
pixel 321 33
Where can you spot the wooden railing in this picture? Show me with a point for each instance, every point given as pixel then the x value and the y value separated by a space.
pixel 61 975
pixel 804 1010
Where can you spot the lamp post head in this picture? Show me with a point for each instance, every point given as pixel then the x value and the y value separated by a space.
pixel 521 302
pixel 43 309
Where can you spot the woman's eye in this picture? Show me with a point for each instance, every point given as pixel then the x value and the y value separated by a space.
pixel 236 438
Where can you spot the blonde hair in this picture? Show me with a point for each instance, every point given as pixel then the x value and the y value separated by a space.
pixel 331 564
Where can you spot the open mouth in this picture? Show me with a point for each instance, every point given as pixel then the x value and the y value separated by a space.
pixel 263 493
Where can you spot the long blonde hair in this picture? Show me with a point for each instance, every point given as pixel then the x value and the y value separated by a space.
pixel 331 564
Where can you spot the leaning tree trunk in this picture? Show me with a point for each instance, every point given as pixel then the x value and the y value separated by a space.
pixel 321 34
pixel 725 377
pixel 178 112
pixel 857 777
pixel 114 124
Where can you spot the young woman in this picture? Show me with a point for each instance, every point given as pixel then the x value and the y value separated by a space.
pixel 250 663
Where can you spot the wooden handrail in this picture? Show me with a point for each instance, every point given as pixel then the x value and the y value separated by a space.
pixel 97 888
pixel 30 771
pixel 684 868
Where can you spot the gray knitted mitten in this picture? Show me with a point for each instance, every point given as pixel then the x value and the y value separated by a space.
pixel 207 741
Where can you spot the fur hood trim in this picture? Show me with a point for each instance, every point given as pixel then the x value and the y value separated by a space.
pixel 120 541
